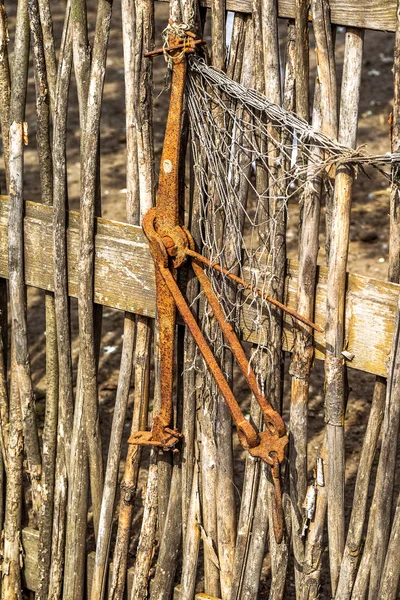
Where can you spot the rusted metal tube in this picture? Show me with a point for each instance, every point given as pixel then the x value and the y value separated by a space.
pixel 202 259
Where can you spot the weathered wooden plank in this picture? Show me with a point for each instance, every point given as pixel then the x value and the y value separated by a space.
pixel 124 279
pixel 367 14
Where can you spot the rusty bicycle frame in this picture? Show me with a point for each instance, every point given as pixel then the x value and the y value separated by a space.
pixel 171 245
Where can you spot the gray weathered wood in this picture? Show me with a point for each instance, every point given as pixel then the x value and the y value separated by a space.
pixel 124 279
pixel 366 14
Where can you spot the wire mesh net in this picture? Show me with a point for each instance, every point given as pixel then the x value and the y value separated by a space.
pixel 251 157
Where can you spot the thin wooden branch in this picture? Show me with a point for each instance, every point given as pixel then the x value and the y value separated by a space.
pixel 315 546
pixel 11 580
pixel 49 452
pixel 141 365
pixel 334 364
pixel 49 50
pixel 65 398
pixel 303 356
pixel 391 570
pixel 354 539
pixel 5 88
pixel 89 165
pixel 148 531
pixel 137 37
pixel 130 74
pixel 218 44
pixel 167 561
pixel 18 308
pixel 50 427
pixel 145 549
pixel 384 484
pixel 114 452
pixel 302 59
pixel 192 542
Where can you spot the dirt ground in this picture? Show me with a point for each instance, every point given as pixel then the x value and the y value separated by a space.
pixel 368 252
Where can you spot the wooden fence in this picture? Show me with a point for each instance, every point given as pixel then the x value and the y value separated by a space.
pixel 73 522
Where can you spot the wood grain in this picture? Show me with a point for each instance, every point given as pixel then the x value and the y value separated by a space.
pixel 367 14
pixel 124 279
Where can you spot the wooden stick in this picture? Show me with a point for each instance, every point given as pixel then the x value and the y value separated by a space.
pixel 276 244
pixel 49 452
pixel 78 478
pixel 50 427
pixel 314 547
pixel 89 163
pixel 384 484
pixel 18 314
pixel 354 539
pixel 302 59
pixel 360 587
pixel 241 66
pixel 5 97
pixel 65 386
pixel 390 575
pixel 216 457
pixel 46 22
pixel 141 198
pixel 5 88
pixel 133 207
pixel 218 44
pixel 323 118
pixel 394 235
pixel 11 580
pixel 192 543
pixel 391 570
pixel 167 561
pixel 114 452
pixel 130 78
pixel 145 550
pixel 141 366
pixel 73 583
pixel 334 364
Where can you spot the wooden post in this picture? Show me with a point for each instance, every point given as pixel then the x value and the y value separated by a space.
pixel 61 302
pixel 334 364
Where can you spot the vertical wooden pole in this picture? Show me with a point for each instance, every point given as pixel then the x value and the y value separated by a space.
pixel 5 88
pixel 354 540
pixel 61 302
pixel 384 484
pixel 78 477
pixel 11 580
pixel 138 32
pixel 334 363
pixel 324 117
pixel 49 50
pixel 391 570
pixel 302 59
pixel 50 428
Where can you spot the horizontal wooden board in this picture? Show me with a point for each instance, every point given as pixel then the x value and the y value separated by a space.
pixel 124 279
pixel 368 14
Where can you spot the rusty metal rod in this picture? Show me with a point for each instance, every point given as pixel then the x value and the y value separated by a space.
pixel 272 419
pixel 248 430
pixel 202 259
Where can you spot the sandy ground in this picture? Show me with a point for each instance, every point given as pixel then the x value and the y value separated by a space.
pixel 369 224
